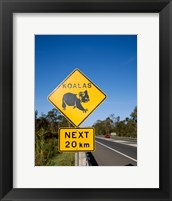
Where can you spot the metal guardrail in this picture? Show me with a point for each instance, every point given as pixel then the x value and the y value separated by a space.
pixel 81 159
pixel 91 160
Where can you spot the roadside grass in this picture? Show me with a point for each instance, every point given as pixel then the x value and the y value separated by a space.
pixel 63 159
pixel 120 138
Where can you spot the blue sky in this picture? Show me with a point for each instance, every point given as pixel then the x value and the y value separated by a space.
pixel 109 61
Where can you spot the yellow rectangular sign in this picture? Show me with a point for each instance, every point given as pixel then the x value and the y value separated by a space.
pixel 76 139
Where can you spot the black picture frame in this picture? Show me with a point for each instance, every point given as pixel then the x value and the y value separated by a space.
pixel 7 8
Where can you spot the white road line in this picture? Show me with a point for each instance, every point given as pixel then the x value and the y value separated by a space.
pixel 116 151
pixel 118 141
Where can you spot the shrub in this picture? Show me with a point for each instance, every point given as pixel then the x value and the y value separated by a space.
pixel 45 148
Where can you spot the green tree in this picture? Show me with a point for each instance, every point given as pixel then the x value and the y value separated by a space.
pixel 133 115
pixel 120 128
pixel 99 128
pixel 108 124
pixel 52 117
pixel 41 122
pixel 63 122
pixel 36 114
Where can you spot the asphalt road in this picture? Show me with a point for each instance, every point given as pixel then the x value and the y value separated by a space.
pixel 115 153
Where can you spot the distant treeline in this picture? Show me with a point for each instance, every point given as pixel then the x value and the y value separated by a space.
pixel 112 124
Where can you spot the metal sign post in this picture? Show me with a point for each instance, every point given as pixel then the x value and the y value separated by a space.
pixel 77 159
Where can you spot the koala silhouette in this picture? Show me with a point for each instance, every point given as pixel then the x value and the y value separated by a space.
pixel 71 99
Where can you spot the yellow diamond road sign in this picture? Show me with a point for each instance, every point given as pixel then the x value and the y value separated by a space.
pixel 76 97
pixel 76 139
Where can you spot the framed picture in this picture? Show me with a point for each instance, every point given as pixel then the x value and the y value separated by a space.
pixel 110 61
